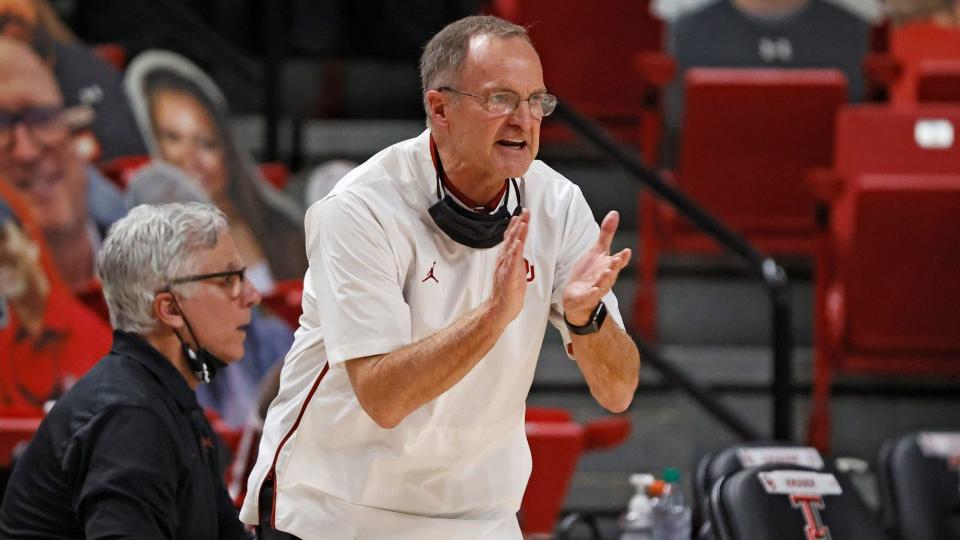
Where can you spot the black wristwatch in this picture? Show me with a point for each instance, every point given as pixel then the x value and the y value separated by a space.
pixel 593 325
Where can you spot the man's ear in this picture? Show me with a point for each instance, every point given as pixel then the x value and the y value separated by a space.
pixel 436 108
pixel 167 310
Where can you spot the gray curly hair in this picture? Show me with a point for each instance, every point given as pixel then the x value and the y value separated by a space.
pixel 147 249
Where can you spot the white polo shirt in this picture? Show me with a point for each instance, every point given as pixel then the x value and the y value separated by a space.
pixel 382 275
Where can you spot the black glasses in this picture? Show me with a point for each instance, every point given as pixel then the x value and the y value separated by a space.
pixel 504 103
pixel 48 125
pixel 233 280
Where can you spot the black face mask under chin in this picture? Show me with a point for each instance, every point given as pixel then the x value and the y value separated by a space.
pixel 201 362
pixel 478 231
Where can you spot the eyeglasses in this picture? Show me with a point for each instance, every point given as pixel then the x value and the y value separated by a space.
pixel 504 103
pixel 47 125
pixel 233 280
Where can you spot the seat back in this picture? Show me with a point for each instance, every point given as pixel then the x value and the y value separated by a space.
pixel 588 54
pixel 899 234
pixel 286 301
pixel 920 485
pixel 749 138
pixel 909 139
pixel 555 447
pixel 938 81
pixel 713 467
pixel 790 503
pixel 914 43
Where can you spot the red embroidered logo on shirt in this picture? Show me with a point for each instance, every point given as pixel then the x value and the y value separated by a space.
pixel 430 274
pixel 531 271
pixel 207 442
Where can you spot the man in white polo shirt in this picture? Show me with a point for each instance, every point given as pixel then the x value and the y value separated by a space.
pixel 434 268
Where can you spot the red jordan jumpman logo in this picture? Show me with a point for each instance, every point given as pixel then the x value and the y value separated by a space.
pixel 430 274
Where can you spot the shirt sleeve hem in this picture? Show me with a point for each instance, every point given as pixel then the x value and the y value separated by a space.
pixel 349 351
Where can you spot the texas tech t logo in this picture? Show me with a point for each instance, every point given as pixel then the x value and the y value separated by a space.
pixel 805 490
pixel 811 505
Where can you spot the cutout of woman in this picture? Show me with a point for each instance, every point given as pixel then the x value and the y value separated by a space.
pixel 185 121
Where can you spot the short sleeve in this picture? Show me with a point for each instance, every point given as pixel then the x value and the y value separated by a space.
pixel 356 281
pixel 580 232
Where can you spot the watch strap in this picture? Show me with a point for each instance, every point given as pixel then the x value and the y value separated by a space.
pixel 593 325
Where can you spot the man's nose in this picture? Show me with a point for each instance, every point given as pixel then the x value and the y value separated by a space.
pixel 250 295
pixel 522 116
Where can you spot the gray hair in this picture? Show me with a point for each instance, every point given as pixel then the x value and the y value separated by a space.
pixel 147 249
pixel 445 53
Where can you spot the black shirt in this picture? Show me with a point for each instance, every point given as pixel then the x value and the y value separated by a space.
pixel 125 453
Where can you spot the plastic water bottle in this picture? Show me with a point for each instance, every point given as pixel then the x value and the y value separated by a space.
pixel 638 521
pixel 671 515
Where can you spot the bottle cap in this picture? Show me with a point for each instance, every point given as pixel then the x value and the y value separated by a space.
pixel 656 488
pixel 640 481
pixel 671 475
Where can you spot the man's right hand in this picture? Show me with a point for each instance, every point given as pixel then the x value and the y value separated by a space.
pixel 510 274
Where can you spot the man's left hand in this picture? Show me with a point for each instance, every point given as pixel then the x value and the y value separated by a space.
pixel 594 274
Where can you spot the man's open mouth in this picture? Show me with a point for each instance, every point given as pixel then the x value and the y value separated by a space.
pixel 510 143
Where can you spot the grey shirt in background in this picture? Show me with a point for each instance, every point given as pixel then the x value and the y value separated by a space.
pixel 818 35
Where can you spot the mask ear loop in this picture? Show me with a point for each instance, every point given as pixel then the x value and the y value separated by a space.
pixel 198 366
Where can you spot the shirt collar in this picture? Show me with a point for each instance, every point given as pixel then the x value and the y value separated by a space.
pixel 136 348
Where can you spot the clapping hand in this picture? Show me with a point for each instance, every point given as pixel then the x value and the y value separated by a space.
pixel 594 274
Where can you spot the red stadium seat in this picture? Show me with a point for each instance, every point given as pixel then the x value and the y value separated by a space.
pixel 14 431
pixel 120 170
pixel 889 290
pixel 114 54
pixel 938 81
pixel 886 292
pixel 276 173
pixel 588 56
pixel 750 137
pixel 556 443
pixel 914 43
pixel 286 301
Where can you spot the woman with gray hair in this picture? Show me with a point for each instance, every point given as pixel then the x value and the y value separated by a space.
pixel 127 452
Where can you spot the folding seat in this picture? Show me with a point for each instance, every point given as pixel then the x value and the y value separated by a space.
pixel 556 442
pixel 713 467
pixel 919 478
pixel 286 301
pixel 120 170
pixel 938 81
pixel 885 290
pixel 750 137
pixel 588 55
pixel 917 42
pixel 790 503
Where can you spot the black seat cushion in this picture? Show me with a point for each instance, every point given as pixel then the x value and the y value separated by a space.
pixel 920 493
pixel 741 509
pixel 713 467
